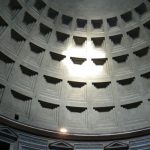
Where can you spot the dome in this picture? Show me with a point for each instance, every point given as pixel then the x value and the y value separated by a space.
pixel 82 67
pixel 93 9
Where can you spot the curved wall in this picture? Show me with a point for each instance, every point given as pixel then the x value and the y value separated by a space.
pixel 11 139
